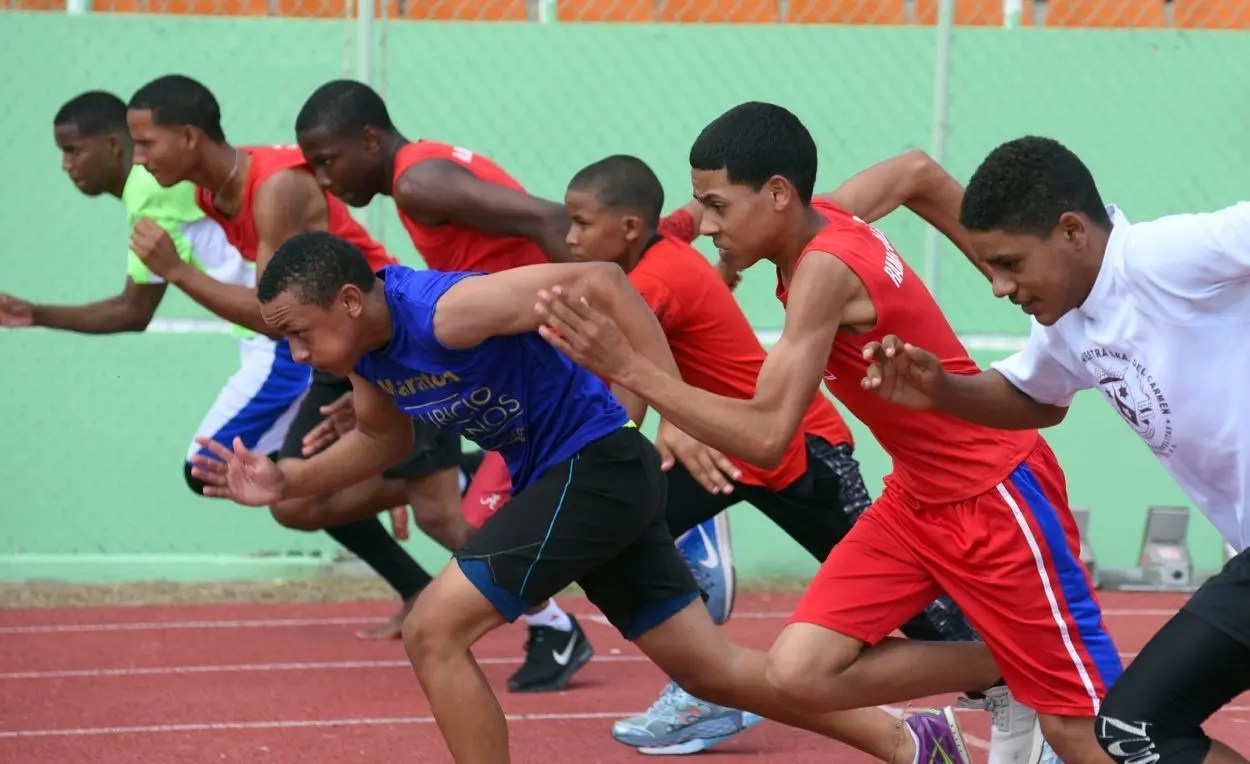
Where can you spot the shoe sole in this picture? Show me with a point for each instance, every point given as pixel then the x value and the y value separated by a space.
pixel 699 744
pixel 580 658
pixel 724 548
pixel 961 747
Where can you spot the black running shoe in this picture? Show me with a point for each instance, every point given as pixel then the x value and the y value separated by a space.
pixel 552 657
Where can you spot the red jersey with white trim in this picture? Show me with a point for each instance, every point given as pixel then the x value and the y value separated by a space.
pixel 937 458
pixel 716 349
pixel 266 162
pixel 454 247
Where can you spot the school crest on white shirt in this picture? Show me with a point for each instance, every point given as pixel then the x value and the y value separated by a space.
pixel 1135 395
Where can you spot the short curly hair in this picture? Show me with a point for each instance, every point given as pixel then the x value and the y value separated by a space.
pixel 624 183
pixel 176 100
pixel 1024 185
pixel 94 113
pixel 313 266
pixel 754 141
pixel 345 108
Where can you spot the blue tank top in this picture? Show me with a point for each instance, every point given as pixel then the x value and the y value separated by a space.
pixel 513 394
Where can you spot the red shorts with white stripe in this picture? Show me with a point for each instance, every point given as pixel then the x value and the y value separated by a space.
pixel 1010 558
pixel 490 489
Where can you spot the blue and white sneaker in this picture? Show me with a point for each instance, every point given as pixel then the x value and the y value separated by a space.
pixel 679 723
pixel 708 553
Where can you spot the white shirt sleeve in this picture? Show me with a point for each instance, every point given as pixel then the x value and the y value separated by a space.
pixel 1040 371
pixel 1188 255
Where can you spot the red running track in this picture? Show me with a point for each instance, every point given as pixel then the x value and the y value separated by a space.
pixel 290 683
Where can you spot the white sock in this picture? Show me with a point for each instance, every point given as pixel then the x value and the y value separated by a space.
pixel 551 616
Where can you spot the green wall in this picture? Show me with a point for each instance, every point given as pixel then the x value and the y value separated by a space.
pixel 96 428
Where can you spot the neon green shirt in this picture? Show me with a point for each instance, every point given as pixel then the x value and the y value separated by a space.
pixel 169 208
pixel 198 239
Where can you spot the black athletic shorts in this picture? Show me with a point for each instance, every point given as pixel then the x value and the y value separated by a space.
pixel 1196 664
pixel 817 510
pixel 434 449
pixel 596 520
pixel 1224 600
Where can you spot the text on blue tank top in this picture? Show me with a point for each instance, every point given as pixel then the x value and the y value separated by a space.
pixel 513 394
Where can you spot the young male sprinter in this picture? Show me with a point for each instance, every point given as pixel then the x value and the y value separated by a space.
pixel 258 401
pixel 1123 308
pixel 609 204
pixel 260 196
pixel 814 495
pixel 915 181
pixel 460 349
pixel 976 512
pixel 455 227
pixel 465 213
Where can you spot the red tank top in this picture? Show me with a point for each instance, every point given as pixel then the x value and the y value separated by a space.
pixel 452 247
pixel 716 349
pixel 937 458
pixel 266 161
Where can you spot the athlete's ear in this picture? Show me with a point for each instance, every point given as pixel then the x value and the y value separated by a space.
pixel 191 136
pixel 1071 227
pixel 633 228
pixel 371 139
pixel 779 191
pixel 352 300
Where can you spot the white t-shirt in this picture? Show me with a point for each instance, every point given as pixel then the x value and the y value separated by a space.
pixel 1165 337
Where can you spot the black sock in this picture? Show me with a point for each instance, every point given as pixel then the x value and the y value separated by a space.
pixel 977 695
pixel 368 540
pixel 469 462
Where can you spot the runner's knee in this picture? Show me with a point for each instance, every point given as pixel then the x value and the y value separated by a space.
pixel 298 515
pixel 1127 738
pixel 806 658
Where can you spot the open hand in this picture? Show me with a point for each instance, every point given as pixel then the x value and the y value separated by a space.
pixel 590 338
pixel 340 420
pixel 709 467
pixel 902 373
pixel 15 312
pixel 241 475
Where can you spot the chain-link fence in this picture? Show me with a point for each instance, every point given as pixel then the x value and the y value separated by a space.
pixel 1076 13
pixel 1157 104
pixel 1181 14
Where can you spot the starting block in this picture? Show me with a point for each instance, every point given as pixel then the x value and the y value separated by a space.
pixel 1166 564
pixel 1081 515
pixel 1165 558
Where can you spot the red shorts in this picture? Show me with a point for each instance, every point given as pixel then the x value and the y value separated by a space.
pixel 491 488
pixel 1010 558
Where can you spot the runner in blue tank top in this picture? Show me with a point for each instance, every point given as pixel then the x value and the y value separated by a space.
pixel 461 350
pixel 509 394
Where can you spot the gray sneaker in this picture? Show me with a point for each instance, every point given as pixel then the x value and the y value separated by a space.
pixel 1015 734
pixel 679 723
